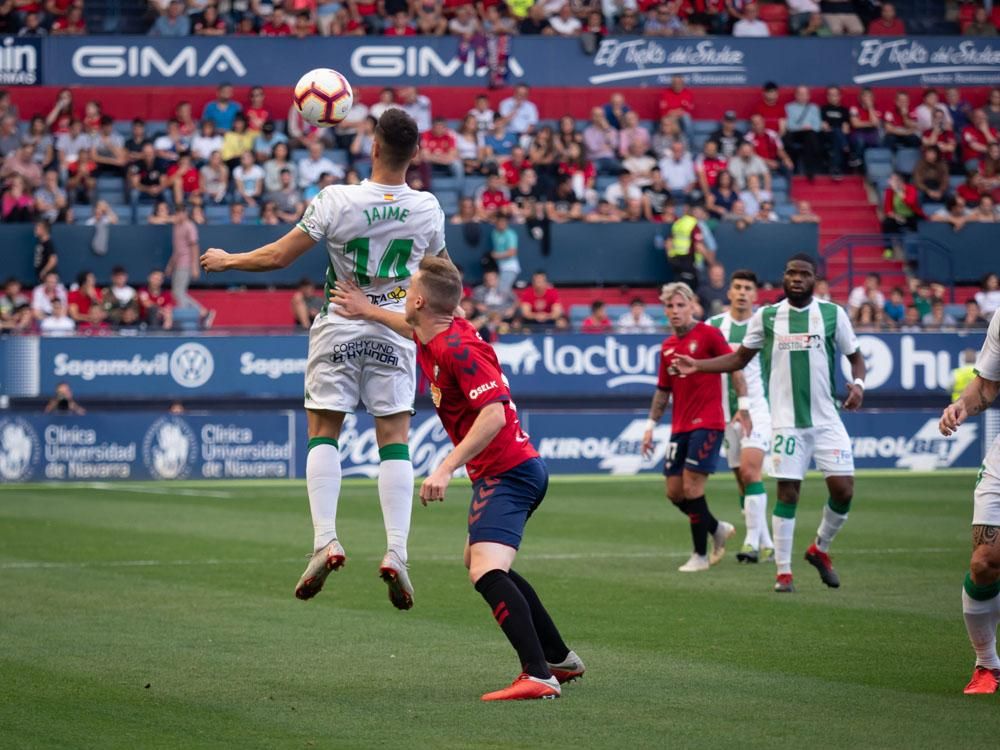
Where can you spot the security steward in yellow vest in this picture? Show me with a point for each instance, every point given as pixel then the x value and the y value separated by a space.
pixel 686 249
pixel 962 376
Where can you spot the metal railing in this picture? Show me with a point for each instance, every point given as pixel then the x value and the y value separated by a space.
pixel 916 252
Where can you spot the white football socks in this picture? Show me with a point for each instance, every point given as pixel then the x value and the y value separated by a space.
pixel 981 619
pixel 784 533
pixel 395 494
pixel 828 527
pixel 323 485
pixel 755 510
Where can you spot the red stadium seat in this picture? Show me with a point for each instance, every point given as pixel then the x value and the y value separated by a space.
pixel 778 28
pixel 773 12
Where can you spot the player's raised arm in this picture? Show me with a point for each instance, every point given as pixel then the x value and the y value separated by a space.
pixel 490 420
pixel 278 254
pixel 353 303
pixel 732 362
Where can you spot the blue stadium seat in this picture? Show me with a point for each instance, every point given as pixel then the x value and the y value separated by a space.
pixel 878 171
pixel 931 208
pixel 448 200
pixel 472 184
pixel 142 214
pixel 704 128
pixel 906 159
pixel 784 210
pixel 440 182
pixel 82 213
pixel 779 182
pixel 186 319
pixel 955 180
pixel 217 214
pixel 878 156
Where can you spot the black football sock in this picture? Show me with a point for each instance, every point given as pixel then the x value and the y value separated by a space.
pixel 699 536
pixel 553 647
pixel 699 505
pixel 513 615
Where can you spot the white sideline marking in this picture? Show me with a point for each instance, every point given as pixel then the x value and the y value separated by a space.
pixel 138 489
pixel 41 565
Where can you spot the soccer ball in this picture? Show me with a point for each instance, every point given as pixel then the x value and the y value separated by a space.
pixel 323 97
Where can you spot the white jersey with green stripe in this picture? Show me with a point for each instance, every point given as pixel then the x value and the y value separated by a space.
pixel 988 362
pixel 735 331
pixel 376 235
pixel 798 359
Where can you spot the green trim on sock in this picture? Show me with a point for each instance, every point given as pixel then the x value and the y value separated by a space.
pixel 842 509
pixel 743 501
pixel 981 593
pixel 313 442
pixel 394 452
pixel 785 510
pixel 756 488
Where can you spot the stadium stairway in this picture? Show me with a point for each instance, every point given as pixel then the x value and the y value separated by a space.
pixel 844 208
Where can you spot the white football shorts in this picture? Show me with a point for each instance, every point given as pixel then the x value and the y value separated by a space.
pixel 352 360
pixel 986 499
pixel 794 448
pixel 759 437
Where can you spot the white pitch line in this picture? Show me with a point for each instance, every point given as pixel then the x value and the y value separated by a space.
pixel 41 565
pixel 108 486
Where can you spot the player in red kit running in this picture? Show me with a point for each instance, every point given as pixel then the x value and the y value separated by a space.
pixel 509 479
pixel 696 426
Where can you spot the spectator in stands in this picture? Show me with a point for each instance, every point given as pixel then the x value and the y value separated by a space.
pixel 430 19
pixel 622 190
pixel 208 22
pixel 924 113
pixel 120 300
pixel 400 25
pixel 868 319
pixel 901 128
pixel 639 164
pixel 911 321
pixel 992 108
pixel 61 114
pixel 10 136
pixel 566 135
pixel 719 201
pixel 866 126
pixel 714 295
pixel 237 141
pixel 657 202
pixel 171 143
pixel 248 178
pixel 439 148
pixel 836 129
pixel 417 106
pixel 564 23
pixel 803 123
pixel 483 114
pixel 275 165
pixel 493 198
pixel 156 304
pixel 959 109
pixel 237 214
pixel 981 24
pixel 510 168
pixel 136 140
pixel 746 162
pixel 161 215
pixel 678 102
pixel 954 212
pixel 768 146
pixel 771 109
pixel 17 204
pixel 108 150
pixel 600 142
pixel 75 159
pixel 754 195
pixel 43 295
pixel 213 180
pixel 888 23
pixel 277 24
pixel 930 175
pixel 804 17
pixel 59 323
pixel 497 144
pixel 988 295
pixel 490 297
pixel 976 138
pixel 269 138
pixel 663 21
pixel 173 23
pixel 985 212
pixel 15 307
pixel 503 251
pixel 183 264
pixel 42 143
pixel 922 296
pixel 605 212
pixel 632 132
pixel 668 130
pixel 86 306
pixel 51 201
pixel 973 318
pixel 870 291
pixel 616 109
pixel 103 216
pixel 938 319
pixel 804 214
pixel 942 136
pixel 222 110
pixel 287 200
pixel 598 321
pixel 900 206
pixel 972 189
pixel 564 205
pixel 750 25
pixel 182 113
pixel 636 320
pixel 464 23
pixel 840 18
pixel 544 156
pixel 765 213
pixel 708 166
pixel 536 22
pixel 678 170
pixel 315 164
pixel 306 304
pixel 540 305
pixel 518 113
pixel 21 162
pixel 207 141
pixel 182 180
pixel 360 150
pixel 528 201
pixel 895 307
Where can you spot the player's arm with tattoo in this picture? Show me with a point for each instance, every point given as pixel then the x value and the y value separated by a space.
pixel 661 399
pixel 976 398
pixel 737 360
pixel 742 415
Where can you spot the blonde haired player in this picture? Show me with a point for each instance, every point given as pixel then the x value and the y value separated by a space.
pixel 981 592
pixel 376 234
pixel 745 453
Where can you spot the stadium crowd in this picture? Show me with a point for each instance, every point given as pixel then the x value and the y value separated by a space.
pixel 480 23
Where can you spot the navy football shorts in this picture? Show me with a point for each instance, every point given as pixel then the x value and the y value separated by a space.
pixel 697 450
pixel 502 504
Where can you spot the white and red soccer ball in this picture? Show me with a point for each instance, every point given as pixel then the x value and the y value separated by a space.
pixel 323 97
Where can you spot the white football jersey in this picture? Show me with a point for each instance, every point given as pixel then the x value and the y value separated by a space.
pixel 988 362
pixel 376 235
pixel 735 331
pixel 798 357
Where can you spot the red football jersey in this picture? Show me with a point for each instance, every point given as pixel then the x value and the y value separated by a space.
pixel 465 376
pixel 697 397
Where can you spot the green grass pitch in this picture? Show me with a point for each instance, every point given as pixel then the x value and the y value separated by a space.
pixel 161 616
